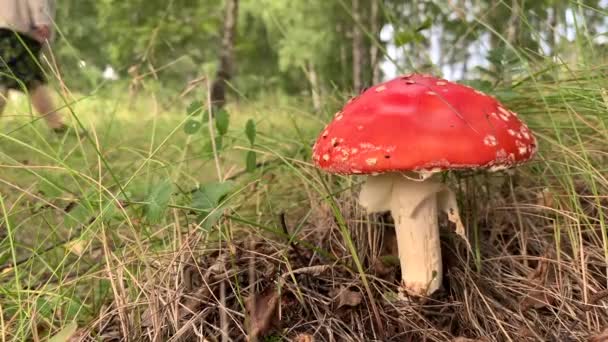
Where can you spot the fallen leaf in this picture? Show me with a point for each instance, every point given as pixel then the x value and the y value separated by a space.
pixel 262 312
pixel 77 246
pixel 601 337
pixel 538 297
pixel 304 338
pixel 65 334
pixel 346 297
pixel 381 269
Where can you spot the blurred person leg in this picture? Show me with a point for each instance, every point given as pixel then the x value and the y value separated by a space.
pixel 21 66
pixel 42 102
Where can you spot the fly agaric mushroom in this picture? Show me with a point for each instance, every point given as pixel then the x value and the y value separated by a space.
pixel 403 131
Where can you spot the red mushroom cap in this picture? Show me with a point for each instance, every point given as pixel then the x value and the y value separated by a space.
pixel 422 123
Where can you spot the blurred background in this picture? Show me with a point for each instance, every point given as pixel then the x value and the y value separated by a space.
pixel 320 48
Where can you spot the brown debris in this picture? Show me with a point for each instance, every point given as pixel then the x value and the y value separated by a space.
pixel 304 338
pixel 262 312
pixel 346 297
pixel 538 296
pixel 601 337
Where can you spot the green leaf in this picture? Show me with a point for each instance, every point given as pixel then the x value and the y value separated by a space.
pixel 192 127
pixel 65 334
pixel 72 308
pixel 208 148
pixel 208 200
pixel 250 131
pixel 158 201
pixel 222 121
pixel 408 36
pixel 46 306
pixel 251 161
pixel 79 215
pixel 194 108
pixel 425 25
pixel 49 186
pixel 219 142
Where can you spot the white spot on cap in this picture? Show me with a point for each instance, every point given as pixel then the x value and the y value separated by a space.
pixel 334 141
pixel 326 157
pixel 356 171
pixel 511 156
pixel 371 161
pixel 360 127
pixel 512 132
pixel 525 132
pixel 325 133
pixel 354 150
pixel 522 150
pixel 494 115
pixel 504 111
pixel 339 116
pixel 504 117
pixel 380 88
pixel 479 92
pixel 513 113
pixel 441 83
pixel 410 81
pixel 430 92
pixel 490 140
pixel 521 147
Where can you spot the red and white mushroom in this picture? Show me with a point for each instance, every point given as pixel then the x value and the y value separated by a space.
pixel 401 132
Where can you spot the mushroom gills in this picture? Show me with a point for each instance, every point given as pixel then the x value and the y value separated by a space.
pixel 414 206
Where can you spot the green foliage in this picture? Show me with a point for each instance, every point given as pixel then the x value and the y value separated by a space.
pixel 195 108
pixel 208 200
pixel 192 126
pixel 158 201
pixel 222 121
pixel 251 161
pixel 250 131
pixel 79 214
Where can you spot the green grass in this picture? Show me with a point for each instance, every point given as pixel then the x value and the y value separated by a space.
pixel 62 205
pixel 105 224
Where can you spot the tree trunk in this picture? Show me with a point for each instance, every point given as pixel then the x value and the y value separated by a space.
pixel 512 33
pixel 513 24
pixel 357 47
pixel 373 53
pixel 552 28
pixel 226 62
pixel 315 89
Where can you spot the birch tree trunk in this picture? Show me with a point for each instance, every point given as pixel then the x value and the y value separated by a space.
pixel 226 57
pixel 373 53
pixel 357 47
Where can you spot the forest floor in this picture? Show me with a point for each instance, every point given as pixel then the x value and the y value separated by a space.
pixel 146 229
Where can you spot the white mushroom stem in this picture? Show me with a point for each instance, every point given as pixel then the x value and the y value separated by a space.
pixel 414 206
